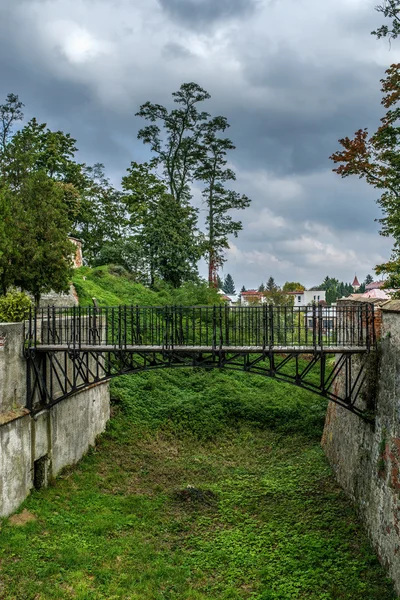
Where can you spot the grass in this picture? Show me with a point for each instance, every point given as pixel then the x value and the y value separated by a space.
pixel 112 286
pixel 206 485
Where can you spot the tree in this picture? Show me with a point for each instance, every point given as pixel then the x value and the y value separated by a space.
pixel 37 148
pixel 213 172
pixel 243 289
pixel 261 287
pixel 10 112
pixel 229 286
pixel 178 154
pixel 391 10
pixel 37 254
pixel 376 157
pixel 293 286
pixel 162 226
pixel 220 283
pixel 271 285
pixel 186 147
pixel 102 217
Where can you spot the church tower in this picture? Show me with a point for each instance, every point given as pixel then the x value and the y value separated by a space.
pixel 355 283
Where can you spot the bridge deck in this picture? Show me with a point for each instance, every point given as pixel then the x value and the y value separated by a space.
pixel 193 349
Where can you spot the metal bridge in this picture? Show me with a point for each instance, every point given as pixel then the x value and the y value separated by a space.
pixel 322 349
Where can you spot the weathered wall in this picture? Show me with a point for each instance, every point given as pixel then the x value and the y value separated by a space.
pixel 56 437
pixel 365 457
pixel 12 366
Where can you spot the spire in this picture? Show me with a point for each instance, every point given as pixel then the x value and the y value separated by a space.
pixel 355 283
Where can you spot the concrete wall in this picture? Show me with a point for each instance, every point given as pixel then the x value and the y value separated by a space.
pixel 35 447
pixel 365 457
pixel 12 366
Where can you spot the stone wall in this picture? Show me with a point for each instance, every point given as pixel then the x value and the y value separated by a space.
pixel 366 457
pixel 34 447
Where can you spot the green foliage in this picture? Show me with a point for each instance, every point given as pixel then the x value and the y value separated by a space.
pixel 293 286
pixel 186 144
pixel 14 307
pixel 36 253
pixel 391 10
pixel 164 227
pixel 204 404
pixel 111 287
pixel 334 289
pixel 102 220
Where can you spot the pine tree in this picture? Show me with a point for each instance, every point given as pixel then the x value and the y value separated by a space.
pixel 261 288
pixel 220 283
pixel 229 286
pixel 243 289
pixel 271 285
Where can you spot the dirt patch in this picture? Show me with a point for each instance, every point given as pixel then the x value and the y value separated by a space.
pixel 22 518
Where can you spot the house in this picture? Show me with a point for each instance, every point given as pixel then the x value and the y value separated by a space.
pixel 307 297
pixel 375 285
pixel 250 297
pixel 230 299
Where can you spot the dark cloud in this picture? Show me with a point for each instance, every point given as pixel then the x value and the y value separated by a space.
pixel 200 13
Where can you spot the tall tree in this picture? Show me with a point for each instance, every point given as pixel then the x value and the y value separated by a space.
pixel 174 137
pixel 229 285
pixel 261 287
pixel 162 226
pixel 178 154
pixel 214 173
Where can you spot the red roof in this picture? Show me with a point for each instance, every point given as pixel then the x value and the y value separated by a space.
pixel 375 285
pixel 355 282
pixel 251 293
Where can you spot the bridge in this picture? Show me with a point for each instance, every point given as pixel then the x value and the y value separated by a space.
pixel 315 347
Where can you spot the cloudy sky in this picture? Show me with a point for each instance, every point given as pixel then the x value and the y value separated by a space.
pixel 291 76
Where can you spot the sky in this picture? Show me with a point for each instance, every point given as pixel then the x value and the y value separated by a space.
pixel 291 76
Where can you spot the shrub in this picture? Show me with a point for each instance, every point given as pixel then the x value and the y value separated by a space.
pixel 14 307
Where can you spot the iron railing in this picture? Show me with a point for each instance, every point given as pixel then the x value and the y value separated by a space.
pixel 205 327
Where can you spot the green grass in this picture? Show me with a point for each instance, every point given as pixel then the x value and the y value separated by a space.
pixel 206 485
pixel 112 286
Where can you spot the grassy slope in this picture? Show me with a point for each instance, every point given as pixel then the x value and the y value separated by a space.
pixel 263 519
pixel 112 286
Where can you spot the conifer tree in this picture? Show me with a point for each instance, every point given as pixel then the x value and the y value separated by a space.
pixel 229 286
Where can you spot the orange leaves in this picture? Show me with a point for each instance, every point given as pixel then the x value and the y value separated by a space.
pixel 391 86
pixel 355 156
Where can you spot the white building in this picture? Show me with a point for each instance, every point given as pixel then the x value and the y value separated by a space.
pixel 308 297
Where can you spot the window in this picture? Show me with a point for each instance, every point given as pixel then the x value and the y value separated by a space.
pixel 315 297
pixel 298 298
pixel 318 297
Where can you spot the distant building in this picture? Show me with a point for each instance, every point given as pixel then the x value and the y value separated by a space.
pixel 375 285
pixel 305 298
pixel 250 297
pixel 355 283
